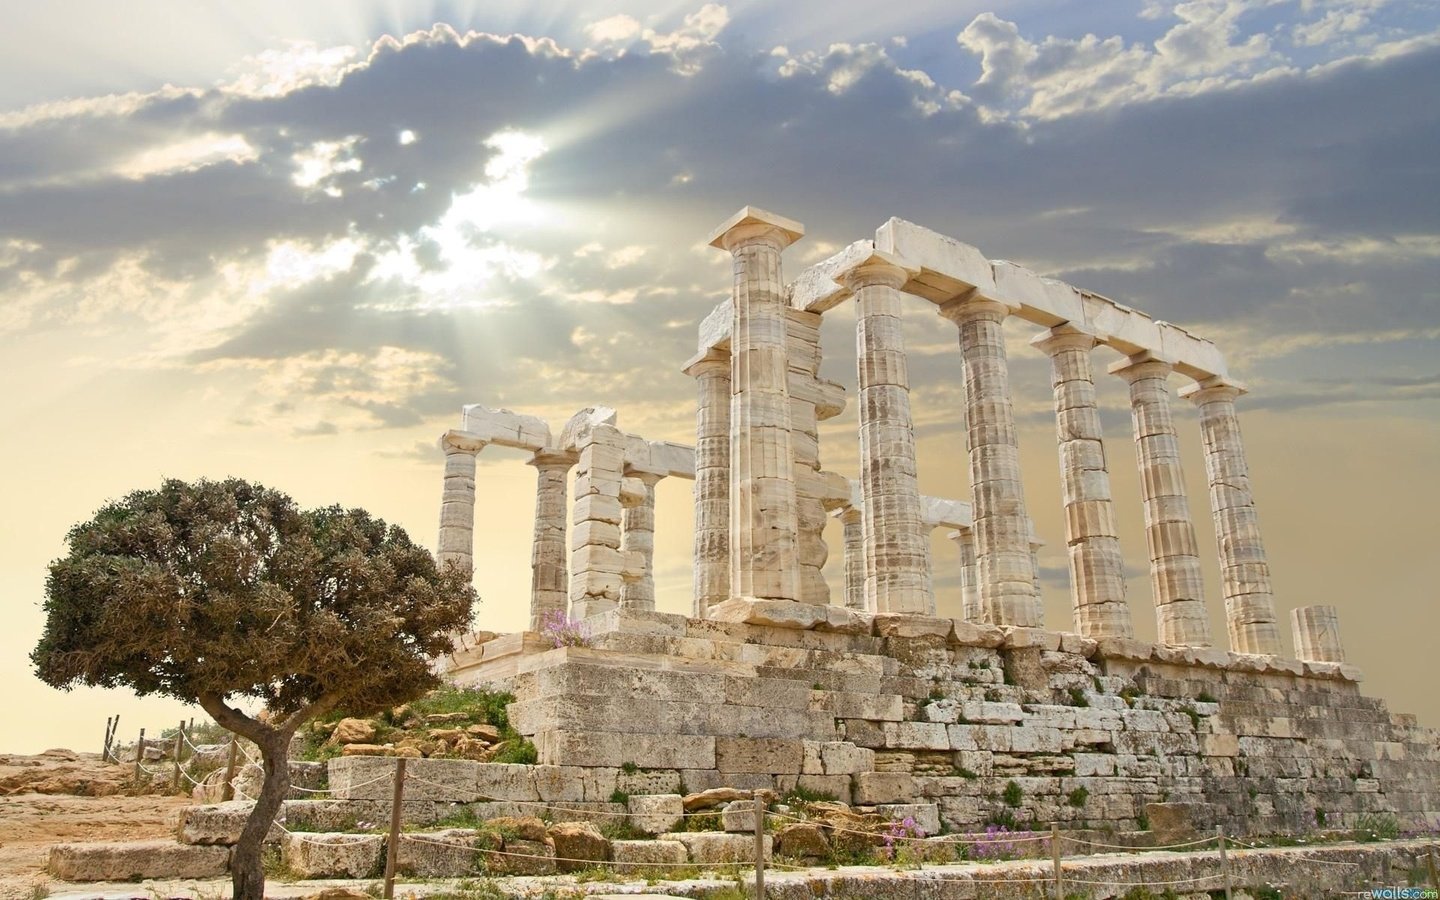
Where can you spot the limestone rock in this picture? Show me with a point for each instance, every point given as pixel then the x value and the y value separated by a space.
pixel 353 731
pixel 870 788
pixel 521 857
pixel 219 823
pixel 802 840
pixel 739 816
pixel 321 855
pixel 655 813
pixel 578 841
pixel 136 861
pixel 712 798
pixel 523 828
pixel 709 848
pixel 441 854
pixel 650 858
pixel 367 750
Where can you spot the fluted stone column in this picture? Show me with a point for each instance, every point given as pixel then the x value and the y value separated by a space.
pixel 637 544
pixel 1244 570
pixel 1317 634
pixel 1097 565
pixel 1175 576
pixel 898 578
pixel 549 589
pixel 1002 527
pixel 711 371
pixel 853 523
pixel 764 523
pixel 595 558
pixel 969 581
pixel 457 501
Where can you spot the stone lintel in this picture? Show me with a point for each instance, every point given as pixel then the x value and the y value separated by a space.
pixel 461 440
pixel 506 428
pixel 875 265
pixel 1216 383
pixel 706 360
pixel 1131 366
pixel 789 230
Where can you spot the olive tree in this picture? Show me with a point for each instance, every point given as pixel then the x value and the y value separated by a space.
pixel 228 595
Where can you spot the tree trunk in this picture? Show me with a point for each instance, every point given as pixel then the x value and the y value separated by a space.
pixel 247 869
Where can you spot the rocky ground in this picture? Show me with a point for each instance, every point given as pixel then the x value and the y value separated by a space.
pixel 60 796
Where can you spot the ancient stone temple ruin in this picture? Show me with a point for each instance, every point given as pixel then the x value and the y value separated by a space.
pixel 777 679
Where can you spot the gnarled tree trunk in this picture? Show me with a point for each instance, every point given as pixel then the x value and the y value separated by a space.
pixel 247 868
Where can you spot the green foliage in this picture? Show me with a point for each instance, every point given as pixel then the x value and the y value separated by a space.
pixel 480 704
pixel 1376 827
pixel 1012 795
pixel 629 768
pixel 1078 698
pixel 1142 822
pixel 993 695
pixel 1206 697
pixel 1129 692
pixel 1004 818
pixel 619 796
pixel 702 822
pixel 227 589
pixel 1194 716
pixel 799 795
pixel 1078 797
pixel 517 750
pixel 471 889
pixel 621 830
pixel 962 772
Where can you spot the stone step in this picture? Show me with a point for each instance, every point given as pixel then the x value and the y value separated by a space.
pixel 137 861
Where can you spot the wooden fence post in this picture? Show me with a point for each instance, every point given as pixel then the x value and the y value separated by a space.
pixel 228 792
pixel 392 842
pixel 139 754
pixel 759 803
pixel 1224 860
pixel 1055 857
pixel 179 746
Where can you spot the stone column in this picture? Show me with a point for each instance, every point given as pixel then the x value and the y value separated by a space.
pixel 711 371
pixel 457 500
pixel 1002 527
pixel 548 570
pixel 1175 576
pixel 1097 565
pixel 1317 634
pixel 852 520
pixel 898 578
pixel 1244 571
pixel 764 524
pixel 595 558
pixel 637 542
pixel 969 582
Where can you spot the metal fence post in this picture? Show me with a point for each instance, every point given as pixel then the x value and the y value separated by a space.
pixel 1224 860
pixel 759 803
pixel 392 841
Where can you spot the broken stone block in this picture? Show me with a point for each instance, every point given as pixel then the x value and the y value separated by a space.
pixel 449 853
pixel 651 858
pixel 739 816
pixel 136 861
pixel 802 841
pixel 520 857
pixel 577 844
pixel 219 823
pixel 925 815
pixel 333 855
pixel 871 788
pixel 656 813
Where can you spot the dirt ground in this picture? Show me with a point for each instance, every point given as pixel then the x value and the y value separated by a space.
pixel 39 807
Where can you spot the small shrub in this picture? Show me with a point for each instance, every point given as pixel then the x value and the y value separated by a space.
pixel 1206 697
pixel 1078 797
pixel 1320 818
pixel 629 768
pixel 563 631
pixel 1078 698
pixel 1194 717
pixel 702 822
pixel 798 796
pixel 1377 827
pixel 619 796
pixel 622 830
pixel 962 772
pixel 1129 692
pixel 1142 822
pixel 1012 794
pixel 993 695
pixel 517 750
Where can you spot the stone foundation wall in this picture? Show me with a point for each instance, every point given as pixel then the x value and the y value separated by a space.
pixel 991 724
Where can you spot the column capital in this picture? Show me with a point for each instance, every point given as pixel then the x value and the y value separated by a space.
pixel 961 534
pixel 708 362
pixel 847 515
pixel 972 304
pixel 454 441
pixel 552 459
pixel 1216 387
pixel 650 478
pixel 879 267
pixel 1061 338
pixel 752 224
pixel 1141 365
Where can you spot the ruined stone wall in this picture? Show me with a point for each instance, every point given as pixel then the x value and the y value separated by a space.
pixel 900 709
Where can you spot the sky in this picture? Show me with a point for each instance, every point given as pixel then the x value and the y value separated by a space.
pixel 287 241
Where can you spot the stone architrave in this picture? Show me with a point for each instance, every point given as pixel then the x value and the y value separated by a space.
pixel 637 543
pixel 854 529
pixel 457 501
pixel 1244 569
pixel 1317 634
pixel 898 570
pixel 969 584
pixel 1175 576
pixel 548 570
pixel 596 562
pixel 1002 526
pixel 764 523
pixel 1097 565
pixel 711 371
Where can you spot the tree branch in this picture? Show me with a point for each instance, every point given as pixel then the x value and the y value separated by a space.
pixel 320 707
pixel 233 719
